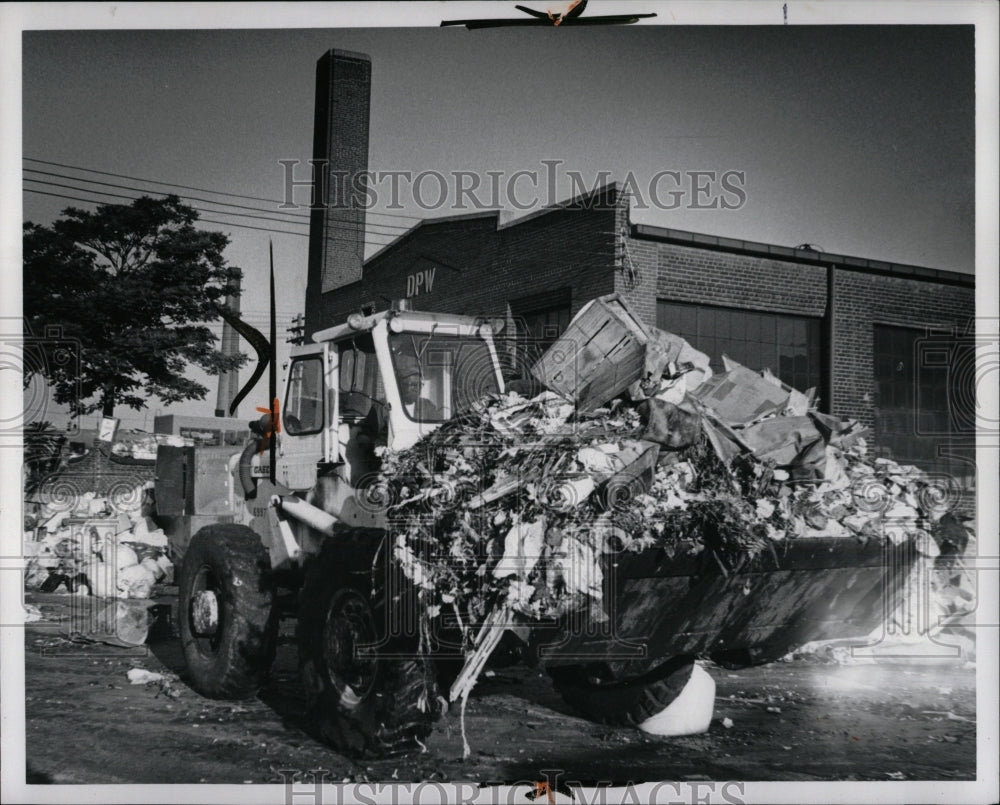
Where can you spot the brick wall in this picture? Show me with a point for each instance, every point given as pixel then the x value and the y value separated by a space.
pixel 653 270
pixel 479 265
pixel 690 274
pixel 860 302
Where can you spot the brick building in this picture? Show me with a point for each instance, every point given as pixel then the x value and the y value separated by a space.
pixel 883 343
pixel 890 345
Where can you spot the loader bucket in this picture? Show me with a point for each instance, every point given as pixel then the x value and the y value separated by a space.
pixel 660 607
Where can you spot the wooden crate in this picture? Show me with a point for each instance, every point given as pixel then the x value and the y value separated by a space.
pixel 602 352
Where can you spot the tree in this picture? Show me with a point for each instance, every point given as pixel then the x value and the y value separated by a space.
pixel 43 450
pixel 135 285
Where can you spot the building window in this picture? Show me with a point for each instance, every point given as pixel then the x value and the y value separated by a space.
pixel 542 317
pixel 790 346
pixel 539 320
pixel 924 407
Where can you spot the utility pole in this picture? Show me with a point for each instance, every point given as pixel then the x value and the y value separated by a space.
pixel 296 332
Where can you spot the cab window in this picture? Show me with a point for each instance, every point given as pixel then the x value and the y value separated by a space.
pixel 304 402
pixel 440 376
pixel 360 381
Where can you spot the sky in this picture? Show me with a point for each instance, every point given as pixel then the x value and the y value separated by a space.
pixel 859 140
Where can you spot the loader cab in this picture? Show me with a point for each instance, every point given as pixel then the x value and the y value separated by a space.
pixel 306 416
pixel 363 422
pixel 380 381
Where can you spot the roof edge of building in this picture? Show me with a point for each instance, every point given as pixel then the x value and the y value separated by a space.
pixel 467 216
pixel 758 249
pixel 575 201
pixel 350 54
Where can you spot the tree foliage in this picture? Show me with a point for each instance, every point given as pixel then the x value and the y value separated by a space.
pixel 135 285
pixel 43 450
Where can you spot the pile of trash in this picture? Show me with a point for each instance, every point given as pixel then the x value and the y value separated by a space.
pixel 97 546
pixel 143 447
pixel 513 504
pixel 519 499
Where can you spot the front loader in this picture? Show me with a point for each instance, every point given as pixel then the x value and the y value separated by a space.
pixel 315 543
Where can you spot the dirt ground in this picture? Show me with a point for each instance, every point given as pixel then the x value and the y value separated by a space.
pixel 801 720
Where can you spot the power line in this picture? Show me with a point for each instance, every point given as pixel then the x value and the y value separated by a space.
pixel 341 225
pixel 188 187
pixel 158 192
pixel 204 220
pixel 283 232
pixel 305 216
pixel 140 190
pixel 259 228
pixel 149 181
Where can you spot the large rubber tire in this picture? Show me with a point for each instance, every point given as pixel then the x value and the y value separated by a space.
pixel 232 660
pixel 622 703
pixel 361 703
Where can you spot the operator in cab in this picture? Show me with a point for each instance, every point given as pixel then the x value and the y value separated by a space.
pixel 417 406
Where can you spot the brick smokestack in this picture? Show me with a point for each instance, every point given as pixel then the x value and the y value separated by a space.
pixel 340 158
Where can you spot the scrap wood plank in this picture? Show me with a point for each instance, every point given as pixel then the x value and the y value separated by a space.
pixel 489 636
pixel 615 345
pixel 501 488
pixel 606 342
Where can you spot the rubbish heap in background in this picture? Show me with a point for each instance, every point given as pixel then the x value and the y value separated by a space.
pixel 99 547
pixel 635 444
pixel 144 447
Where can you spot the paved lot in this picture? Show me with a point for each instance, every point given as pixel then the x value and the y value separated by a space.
pixel 802 720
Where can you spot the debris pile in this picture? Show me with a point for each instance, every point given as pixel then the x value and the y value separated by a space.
pixel 511 506
pixel 100 546
pixel 143 448
pixel 519 499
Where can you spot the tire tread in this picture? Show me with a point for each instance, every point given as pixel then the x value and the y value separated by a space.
pixel 245 655
pixel 626 703
pixel 390 720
